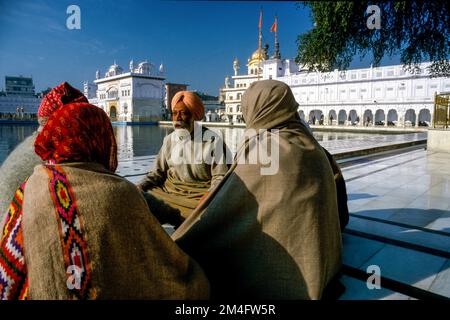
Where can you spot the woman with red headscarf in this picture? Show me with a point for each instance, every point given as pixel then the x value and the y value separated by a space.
pixel 75 230
pixel 22 160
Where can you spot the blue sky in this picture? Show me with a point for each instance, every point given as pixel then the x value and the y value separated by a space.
pixel 196 40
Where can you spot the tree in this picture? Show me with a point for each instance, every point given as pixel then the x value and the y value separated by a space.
pixel 417 30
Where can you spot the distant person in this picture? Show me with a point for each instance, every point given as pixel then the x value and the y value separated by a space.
pixel 76 230
pixel 270 236
pixel 175 179
pixel 20 163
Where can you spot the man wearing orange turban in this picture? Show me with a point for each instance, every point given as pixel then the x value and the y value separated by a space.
pixel 189 103
pixel 177 182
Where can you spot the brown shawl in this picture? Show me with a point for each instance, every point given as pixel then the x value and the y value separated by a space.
pixel 130 255
pixel 269 236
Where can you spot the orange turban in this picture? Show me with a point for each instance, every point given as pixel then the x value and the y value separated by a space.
pixel 192 101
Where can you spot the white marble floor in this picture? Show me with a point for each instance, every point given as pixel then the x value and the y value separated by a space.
pixel 368 141
pixel 400 221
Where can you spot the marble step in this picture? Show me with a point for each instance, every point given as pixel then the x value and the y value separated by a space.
pixel 409 272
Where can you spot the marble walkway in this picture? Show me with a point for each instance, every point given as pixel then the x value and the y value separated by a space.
pixel 400 222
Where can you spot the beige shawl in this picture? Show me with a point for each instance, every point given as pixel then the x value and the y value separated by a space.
pixel 130 254
pixel 178 182
pixel 269 236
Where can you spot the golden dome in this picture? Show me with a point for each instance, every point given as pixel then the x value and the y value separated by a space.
pixel 257 57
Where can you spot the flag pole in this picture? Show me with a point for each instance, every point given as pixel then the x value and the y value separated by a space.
pixel 260 40
pixel 277 45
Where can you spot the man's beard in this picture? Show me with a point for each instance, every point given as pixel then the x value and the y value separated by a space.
pixel 182 125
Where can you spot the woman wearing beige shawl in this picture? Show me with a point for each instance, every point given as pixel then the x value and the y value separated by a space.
pixel 75 230
pixel 269 236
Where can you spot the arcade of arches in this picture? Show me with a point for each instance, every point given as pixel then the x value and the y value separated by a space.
pixel 368 117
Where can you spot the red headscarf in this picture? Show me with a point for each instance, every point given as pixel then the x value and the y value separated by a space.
pixel 192 101
pixel 59 96
pixel 78 132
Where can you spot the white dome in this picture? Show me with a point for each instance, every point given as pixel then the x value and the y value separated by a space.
pixel 144 63
pixel 144 67
pixel 114 70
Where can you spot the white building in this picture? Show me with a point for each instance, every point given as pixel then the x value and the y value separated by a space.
pixel 19 100
pixel 231 93
pixel 21 86
pixel 19 106
pixel 132 96
pixel 383 96
pixel 213 110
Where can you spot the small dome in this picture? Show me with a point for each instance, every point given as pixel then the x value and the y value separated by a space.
pixel 115 67
pixel 257 55
pixel 144 63
pixel 114 70
pixel 144 67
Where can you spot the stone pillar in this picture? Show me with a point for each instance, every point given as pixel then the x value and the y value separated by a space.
pixel 401 119
pixel 361 119
pixel 417 120
pixel 386 119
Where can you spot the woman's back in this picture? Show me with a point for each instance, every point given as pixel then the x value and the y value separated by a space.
pixel 125 252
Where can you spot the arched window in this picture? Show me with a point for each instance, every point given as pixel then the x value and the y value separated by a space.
pixel 113 93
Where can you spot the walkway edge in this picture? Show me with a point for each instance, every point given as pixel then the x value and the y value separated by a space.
pixel 363 152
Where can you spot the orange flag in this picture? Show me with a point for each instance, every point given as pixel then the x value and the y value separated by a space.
pixel 273 28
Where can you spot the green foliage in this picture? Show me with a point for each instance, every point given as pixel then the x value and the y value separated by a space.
pixel 416 30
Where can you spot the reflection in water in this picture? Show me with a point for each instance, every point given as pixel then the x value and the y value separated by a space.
pixel 134 141
pixel 11 136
